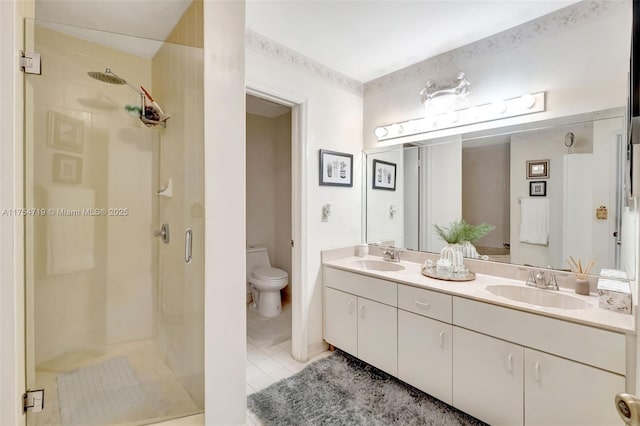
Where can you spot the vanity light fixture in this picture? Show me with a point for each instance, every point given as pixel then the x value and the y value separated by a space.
pixel 514 107
pixel 438 97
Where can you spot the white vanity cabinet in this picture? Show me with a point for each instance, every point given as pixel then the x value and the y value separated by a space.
pixel 341 321
pixel 378 335
pixel 502 365
pixel 571 372
pixel 424 343
pixel 563 392
pixel 361 317
pixel 488 378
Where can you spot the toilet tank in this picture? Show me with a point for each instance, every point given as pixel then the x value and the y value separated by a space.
pixel 256 257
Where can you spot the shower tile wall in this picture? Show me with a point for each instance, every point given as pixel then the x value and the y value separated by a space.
pixel 106 298
pixel 178 81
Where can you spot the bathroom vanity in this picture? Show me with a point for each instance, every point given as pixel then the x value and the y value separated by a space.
pixel 553 359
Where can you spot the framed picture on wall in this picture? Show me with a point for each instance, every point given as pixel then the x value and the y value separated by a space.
pixel 65 133
pixel 538 189
pixel 384 175
pixel 538 169
pixel 67 169
pixel 336 168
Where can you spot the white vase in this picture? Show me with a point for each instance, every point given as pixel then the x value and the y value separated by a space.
pixel 469 250
pixel 453 254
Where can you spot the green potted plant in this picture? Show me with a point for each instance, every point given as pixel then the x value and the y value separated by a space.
pixel 461 235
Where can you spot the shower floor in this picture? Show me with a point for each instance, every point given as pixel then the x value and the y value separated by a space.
pixel 165 397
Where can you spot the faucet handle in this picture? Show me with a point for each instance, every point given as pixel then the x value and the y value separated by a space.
pixel 552 284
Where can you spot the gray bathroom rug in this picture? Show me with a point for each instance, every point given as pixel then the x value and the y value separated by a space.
pixel 342 390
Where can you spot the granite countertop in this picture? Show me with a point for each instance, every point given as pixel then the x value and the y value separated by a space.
pixel 477 290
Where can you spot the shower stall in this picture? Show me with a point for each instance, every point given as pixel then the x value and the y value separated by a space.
pixel 114 224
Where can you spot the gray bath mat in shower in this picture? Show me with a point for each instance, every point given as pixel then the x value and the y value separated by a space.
pixel 100 394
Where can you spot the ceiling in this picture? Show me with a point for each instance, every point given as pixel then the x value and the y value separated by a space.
pixel 363 39
pixel 366 39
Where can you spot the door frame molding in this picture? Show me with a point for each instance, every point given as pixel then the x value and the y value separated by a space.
pixel 299 145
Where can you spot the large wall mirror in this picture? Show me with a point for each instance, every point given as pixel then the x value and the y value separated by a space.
pixel 552 190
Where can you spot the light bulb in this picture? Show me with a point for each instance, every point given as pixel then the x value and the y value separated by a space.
pixel 527 101
pixel 395 129
pixel 499 107
pixel 381 132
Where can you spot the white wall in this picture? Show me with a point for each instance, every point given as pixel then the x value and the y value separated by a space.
pixel 225 254
pixel 334 122
pixel 578 55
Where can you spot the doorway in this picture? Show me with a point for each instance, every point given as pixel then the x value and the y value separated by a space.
pixel 268 224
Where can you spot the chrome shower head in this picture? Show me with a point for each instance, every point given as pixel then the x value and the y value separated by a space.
pixel 107 77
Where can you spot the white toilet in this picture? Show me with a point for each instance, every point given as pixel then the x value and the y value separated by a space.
pixel 266 282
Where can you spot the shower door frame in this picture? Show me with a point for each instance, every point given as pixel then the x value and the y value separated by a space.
pixel 12 309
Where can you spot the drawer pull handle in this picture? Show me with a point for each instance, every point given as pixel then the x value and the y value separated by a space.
pixel 363 311
pixel 350 307
pixel 442 339
pixel 537 368
pixel 422 305
pixel 510 363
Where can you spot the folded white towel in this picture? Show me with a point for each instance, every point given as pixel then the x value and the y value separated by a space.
pixel 534 220
pixel 70 239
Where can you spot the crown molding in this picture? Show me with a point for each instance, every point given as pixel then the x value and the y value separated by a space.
pixel 258 43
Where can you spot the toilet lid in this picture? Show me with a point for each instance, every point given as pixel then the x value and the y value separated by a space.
pixel 266 273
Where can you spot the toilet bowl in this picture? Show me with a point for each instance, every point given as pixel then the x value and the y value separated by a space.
pixel 265 281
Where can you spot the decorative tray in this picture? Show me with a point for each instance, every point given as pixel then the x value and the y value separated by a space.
pixel 448 276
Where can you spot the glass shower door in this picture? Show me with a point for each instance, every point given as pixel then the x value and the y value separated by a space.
pixel 114 313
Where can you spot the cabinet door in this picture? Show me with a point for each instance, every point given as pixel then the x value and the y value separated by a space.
pixel 378 335
pixel 340 320
pixel 562 392
pixel 488 378
pixel 424 354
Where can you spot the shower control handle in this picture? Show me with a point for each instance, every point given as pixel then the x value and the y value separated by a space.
pixel 163 233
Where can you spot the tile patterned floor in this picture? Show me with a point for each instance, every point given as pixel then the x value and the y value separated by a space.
pixel 269 364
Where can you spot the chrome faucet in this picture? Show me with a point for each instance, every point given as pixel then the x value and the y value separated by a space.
pixel 542 279
pixel 391 254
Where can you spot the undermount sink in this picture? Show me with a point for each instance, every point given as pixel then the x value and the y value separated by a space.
pixel 539 297
pixel 377 265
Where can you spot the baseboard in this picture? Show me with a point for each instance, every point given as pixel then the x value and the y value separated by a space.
pixel 316 348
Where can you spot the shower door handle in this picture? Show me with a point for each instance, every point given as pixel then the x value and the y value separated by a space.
pixel 188 245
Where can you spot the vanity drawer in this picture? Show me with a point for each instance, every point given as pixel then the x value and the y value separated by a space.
pixel 425 302
pixel 589 345
pixel 362 285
